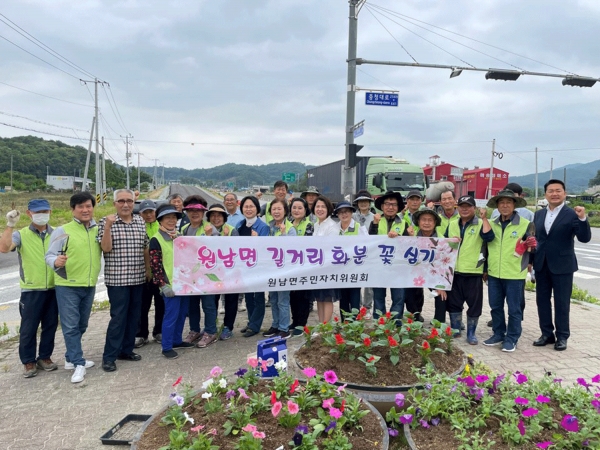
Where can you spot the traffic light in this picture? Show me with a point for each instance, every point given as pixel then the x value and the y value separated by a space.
pixel 353 149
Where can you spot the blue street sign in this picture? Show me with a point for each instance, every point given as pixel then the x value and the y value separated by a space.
pixel 359 131
pixel 375 98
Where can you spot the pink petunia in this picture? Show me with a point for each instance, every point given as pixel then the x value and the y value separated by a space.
pixel 482 378
pixel 258 434
pixel 542 399
pixel 330 376
pixel 216 371
pixel 276 409
pixel 570 423
pixel 520 377
pixel 198 428
pixel 292 407
pixel 243 393
pixel 596 379
pixel 249 428
pixel 545 444
pixel 530 412
pixel 213 431
pixel 521 427
pixel 264 365
pixel 309 372
pixel 342 388
pixel 521 401
pixel 253 362
pixel 328 403
pixel 335 413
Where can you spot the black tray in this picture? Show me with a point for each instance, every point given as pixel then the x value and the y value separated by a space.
pixel 123 432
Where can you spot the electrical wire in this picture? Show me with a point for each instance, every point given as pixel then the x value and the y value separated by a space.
pixel 41 132
pixel 393 37
pixel 117 108
pixel 43 123
pixel 47 96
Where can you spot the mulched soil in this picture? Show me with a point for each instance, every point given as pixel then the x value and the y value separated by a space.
pixel 353 371
pixel 157 436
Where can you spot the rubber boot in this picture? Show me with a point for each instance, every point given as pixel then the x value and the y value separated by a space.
pixel 455 323
pixel 471 327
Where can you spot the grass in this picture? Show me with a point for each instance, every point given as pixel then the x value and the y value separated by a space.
pixel 4 330
pixel 578 294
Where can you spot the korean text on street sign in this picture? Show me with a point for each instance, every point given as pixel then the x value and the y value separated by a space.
pixel 375 98
pixel 359 131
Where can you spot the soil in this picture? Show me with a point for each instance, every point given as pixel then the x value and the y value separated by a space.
pixel 156 435
pixel 354 371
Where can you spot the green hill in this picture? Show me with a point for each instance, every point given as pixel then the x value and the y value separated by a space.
pixel 577 176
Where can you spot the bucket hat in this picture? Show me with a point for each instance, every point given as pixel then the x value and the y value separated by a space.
pixel 310 190
pixel 344 204
pixel 389 194
pixel 165 209
pixel 419 213
pixel 362 195
pixel 506 193
pixel 216 208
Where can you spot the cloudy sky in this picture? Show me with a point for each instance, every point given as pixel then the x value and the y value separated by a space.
pixel 201 83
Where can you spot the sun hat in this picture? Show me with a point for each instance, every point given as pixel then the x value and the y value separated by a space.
pixel 362 195
pixel 419 213
pixel 506 193
pixel 389 194
pixel 344 204
pixel 216 208
pixel 165 209
pixel 195 206
pixel 310 190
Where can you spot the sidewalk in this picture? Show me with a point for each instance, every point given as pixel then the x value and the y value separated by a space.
pixel 49 412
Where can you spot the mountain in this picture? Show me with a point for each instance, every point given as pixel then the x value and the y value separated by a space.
pixel 577 176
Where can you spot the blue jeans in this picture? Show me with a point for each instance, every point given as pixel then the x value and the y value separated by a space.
pixel 397 302
pixel 255 304
pixel 125 307
pixel 280 308
pixel 176 309
pixel 74 308
pixel 37 307
pixel 512 290
pixel 209 307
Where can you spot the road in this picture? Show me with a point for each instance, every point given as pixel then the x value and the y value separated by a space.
pixel 588 259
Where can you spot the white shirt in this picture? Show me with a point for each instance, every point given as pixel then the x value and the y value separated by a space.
pixel 551 216
pixel 328 227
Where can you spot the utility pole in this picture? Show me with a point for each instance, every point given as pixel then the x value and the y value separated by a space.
pixel 551 167
pixel 98 187
pixel 139 186
pixel 103 171
pixel 494 154
pixel 536 177
pixel 87 160
pixel 163 174
pixel 127 155
pixel 11 174
pixel 155 177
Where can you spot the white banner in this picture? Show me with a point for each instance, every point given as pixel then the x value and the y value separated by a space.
pixel 215 265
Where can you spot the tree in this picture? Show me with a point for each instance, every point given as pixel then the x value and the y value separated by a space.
pixel 595 181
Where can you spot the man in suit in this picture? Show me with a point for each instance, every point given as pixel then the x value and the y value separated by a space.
pixel 555 262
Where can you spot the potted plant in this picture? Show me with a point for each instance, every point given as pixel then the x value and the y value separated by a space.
pixel 252 413
pixel 381 357
pixel 487 411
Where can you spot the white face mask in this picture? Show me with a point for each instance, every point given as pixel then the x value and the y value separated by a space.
pixel 40 219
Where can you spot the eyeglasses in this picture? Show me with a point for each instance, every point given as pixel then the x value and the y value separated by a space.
pixel 390 204
pixel 122 202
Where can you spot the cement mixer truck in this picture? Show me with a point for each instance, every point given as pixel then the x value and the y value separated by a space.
pixel 376 174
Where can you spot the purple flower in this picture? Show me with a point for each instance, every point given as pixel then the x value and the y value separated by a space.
pixel 435 421
pixel 520 377
pixel 482 378
pixel 498 380
pixel 230 394
pixel 399 400
pixel 521 427
pixel 392 432
pixel 179 400
pixel 302 429
pixel 330 376
pixel 596 379
pixel 240 373
pixel 542 399
pixel 529 412
pixel 596 404
pixel 557 380
pixel 478 393
pixel 428 386
pixel 406 418
pixel 297 438
pixel 172 395
pixel 582 382
pixel 570 423
pixel 469 381
pixel 424 423
pixel 453 388
pixel 545 444
pixel 331 426
pixel 521 401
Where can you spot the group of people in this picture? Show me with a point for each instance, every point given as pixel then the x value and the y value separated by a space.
pixel 59 267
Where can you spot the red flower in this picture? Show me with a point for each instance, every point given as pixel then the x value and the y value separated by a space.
pixel 434 332
pixel 381 321
pixel 448 331
pixel 372 358
pixel 294 386
pixel 343 405
pixel 306 330
pixel 387 331
pixel 425 345
pixel 407 328
pixel 409 320
pixel 359 317
pixel 367 342
pixel 388 315
pixel 273 397
pixel 177 382
pixel 363 311
pixel 393 342
pixel 325 323
pixel 336 319
pixel 339 340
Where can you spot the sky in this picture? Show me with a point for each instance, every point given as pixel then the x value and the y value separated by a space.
pixel 203 83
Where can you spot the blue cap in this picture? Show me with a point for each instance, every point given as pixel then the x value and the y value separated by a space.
pixel 38 204
pixel 146 205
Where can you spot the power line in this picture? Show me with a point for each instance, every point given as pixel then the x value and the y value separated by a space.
pixel 121 124
pixel 47 96
pixel 37 57
pixel 43 46
pixel 43 123
pixel 42 132
pixel 116 107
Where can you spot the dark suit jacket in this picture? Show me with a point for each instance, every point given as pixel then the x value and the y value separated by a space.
pixel 557 248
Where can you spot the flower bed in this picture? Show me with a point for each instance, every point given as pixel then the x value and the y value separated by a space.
pixel 382 352
pixel 483 411
pixel 250 413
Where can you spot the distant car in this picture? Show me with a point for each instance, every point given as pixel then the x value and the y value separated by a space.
pixel 542 203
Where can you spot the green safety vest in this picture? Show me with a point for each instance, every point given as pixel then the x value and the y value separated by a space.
pixel 301 228
pixel 268 216
pixel 152 228
pixel 471 246
pixel 398 225
pixel 351 231
pixel 501 260
pixel 441 230
pixel 83 257
pixel 199 232
pixel 34 273
pixel 226 226
pixel 288 227
pixel 166 248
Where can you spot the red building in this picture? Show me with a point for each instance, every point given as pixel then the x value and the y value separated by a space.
pixel 478 180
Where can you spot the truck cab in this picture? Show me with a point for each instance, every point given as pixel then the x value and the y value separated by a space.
pixel 393 174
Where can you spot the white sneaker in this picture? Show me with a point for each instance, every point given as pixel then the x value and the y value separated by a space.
pixel 221 310
pixel 70 366
pixel 241 307
pixel 78 375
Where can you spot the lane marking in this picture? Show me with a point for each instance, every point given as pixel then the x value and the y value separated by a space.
pixel 589 269
pixel 585 276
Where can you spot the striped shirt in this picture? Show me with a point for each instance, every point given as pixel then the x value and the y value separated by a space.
pixel 124 265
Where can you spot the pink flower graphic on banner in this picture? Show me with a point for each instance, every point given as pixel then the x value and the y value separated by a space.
pixel 419 281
